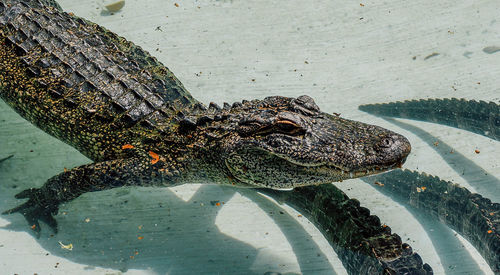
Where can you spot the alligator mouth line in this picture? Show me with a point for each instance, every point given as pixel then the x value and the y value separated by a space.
pixel 354 173
pixel 329 170
pixel 351 174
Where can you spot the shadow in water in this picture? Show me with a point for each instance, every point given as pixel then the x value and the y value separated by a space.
pixel 309 256
pixel 146 230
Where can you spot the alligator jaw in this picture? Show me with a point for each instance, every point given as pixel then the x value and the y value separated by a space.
pixel 281 173
pixel 345 174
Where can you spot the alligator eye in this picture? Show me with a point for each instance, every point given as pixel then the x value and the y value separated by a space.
pixel 287 127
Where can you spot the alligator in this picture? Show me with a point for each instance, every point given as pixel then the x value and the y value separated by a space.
pixel 129 114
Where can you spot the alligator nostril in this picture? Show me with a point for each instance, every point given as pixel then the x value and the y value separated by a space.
pixel 386 142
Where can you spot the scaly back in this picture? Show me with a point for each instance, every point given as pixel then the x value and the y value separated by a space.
pixel 79 81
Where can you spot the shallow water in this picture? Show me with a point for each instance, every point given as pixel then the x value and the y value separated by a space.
pixel 343 55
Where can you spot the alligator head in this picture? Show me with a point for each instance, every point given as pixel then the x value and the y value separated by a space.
pixel 282 143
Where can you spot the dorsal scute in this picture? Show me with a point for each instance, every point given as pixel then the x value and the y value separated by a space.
pixel 91 67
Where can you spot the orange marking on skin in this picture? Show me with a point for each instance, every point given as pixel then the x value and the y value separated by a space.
pixel 127 146
pixel 155 157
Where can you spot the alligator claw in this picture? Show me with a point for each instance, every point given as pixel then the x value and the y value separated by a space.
pixel 34 210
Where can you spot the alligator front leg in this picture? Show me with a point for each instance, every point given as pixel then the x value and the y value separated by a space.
pixel 44 202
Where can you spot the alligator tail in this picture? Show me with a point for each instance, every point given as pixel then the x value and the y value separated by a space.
pixel 474 217
pixel 478 117
pixel 363 244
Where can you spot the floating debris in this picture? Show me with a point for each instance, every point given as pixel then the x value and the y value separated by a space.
pixel 116 6
pixel 431 55
pixel 491 49
pixel 378 183
pixel 421 189
pixel 67 247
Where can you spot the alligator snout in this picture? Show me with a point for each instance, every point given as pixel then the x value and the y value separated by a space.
pixel 393 149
